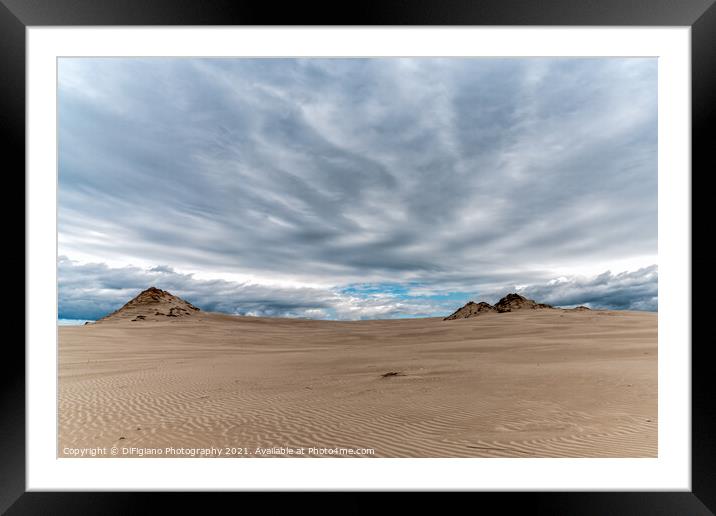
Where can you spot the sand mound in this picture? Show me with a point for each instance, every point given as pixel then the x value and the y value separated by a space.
pixel 513 302
pixel 580 308
pixel 151 305
pixel 471 309
pixel 509 303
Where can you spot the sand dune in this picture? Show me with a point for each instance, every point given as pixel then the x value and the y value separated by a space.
pixel 530 383
pixel 510 303
pixel 152 304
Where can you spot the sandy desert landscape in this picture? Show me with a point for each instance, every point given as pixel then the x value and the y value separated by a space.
pixel 376 256
pixel 160 373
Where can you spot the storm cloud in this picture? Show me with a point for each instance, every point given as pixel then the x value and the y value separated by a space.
pixel 637 290
pixel 92 290
pixel 446 177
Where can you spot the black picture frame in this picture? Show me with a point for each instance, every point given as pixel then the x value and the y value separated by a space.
pixel 17 15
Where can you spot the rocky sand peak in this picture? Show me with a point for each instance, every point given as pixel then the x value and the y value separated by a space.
pixel 152 304
pixel 509 303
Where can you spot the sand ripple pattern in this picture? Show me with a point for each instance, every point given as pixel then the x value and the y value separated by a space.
pixel 523 385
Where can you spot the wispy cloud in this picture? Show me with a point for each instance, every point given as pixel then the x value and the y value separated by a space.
pixel 444 174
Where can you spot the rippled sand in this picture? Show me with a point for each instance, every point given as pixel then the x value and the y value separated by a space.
pixel 536 383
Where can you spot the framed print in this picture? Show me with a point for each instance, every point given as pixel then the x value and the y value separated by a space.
pixel 421 249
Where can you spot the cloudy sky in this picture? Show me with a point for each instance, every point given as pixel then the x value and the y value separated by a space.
pixel 357 188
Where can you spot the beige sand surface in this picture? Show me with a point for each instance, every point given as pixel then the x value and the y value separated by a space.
pixel 535 383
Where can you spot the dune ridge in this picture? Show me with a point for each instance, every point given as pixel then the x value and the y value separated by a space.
pixel 509 303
